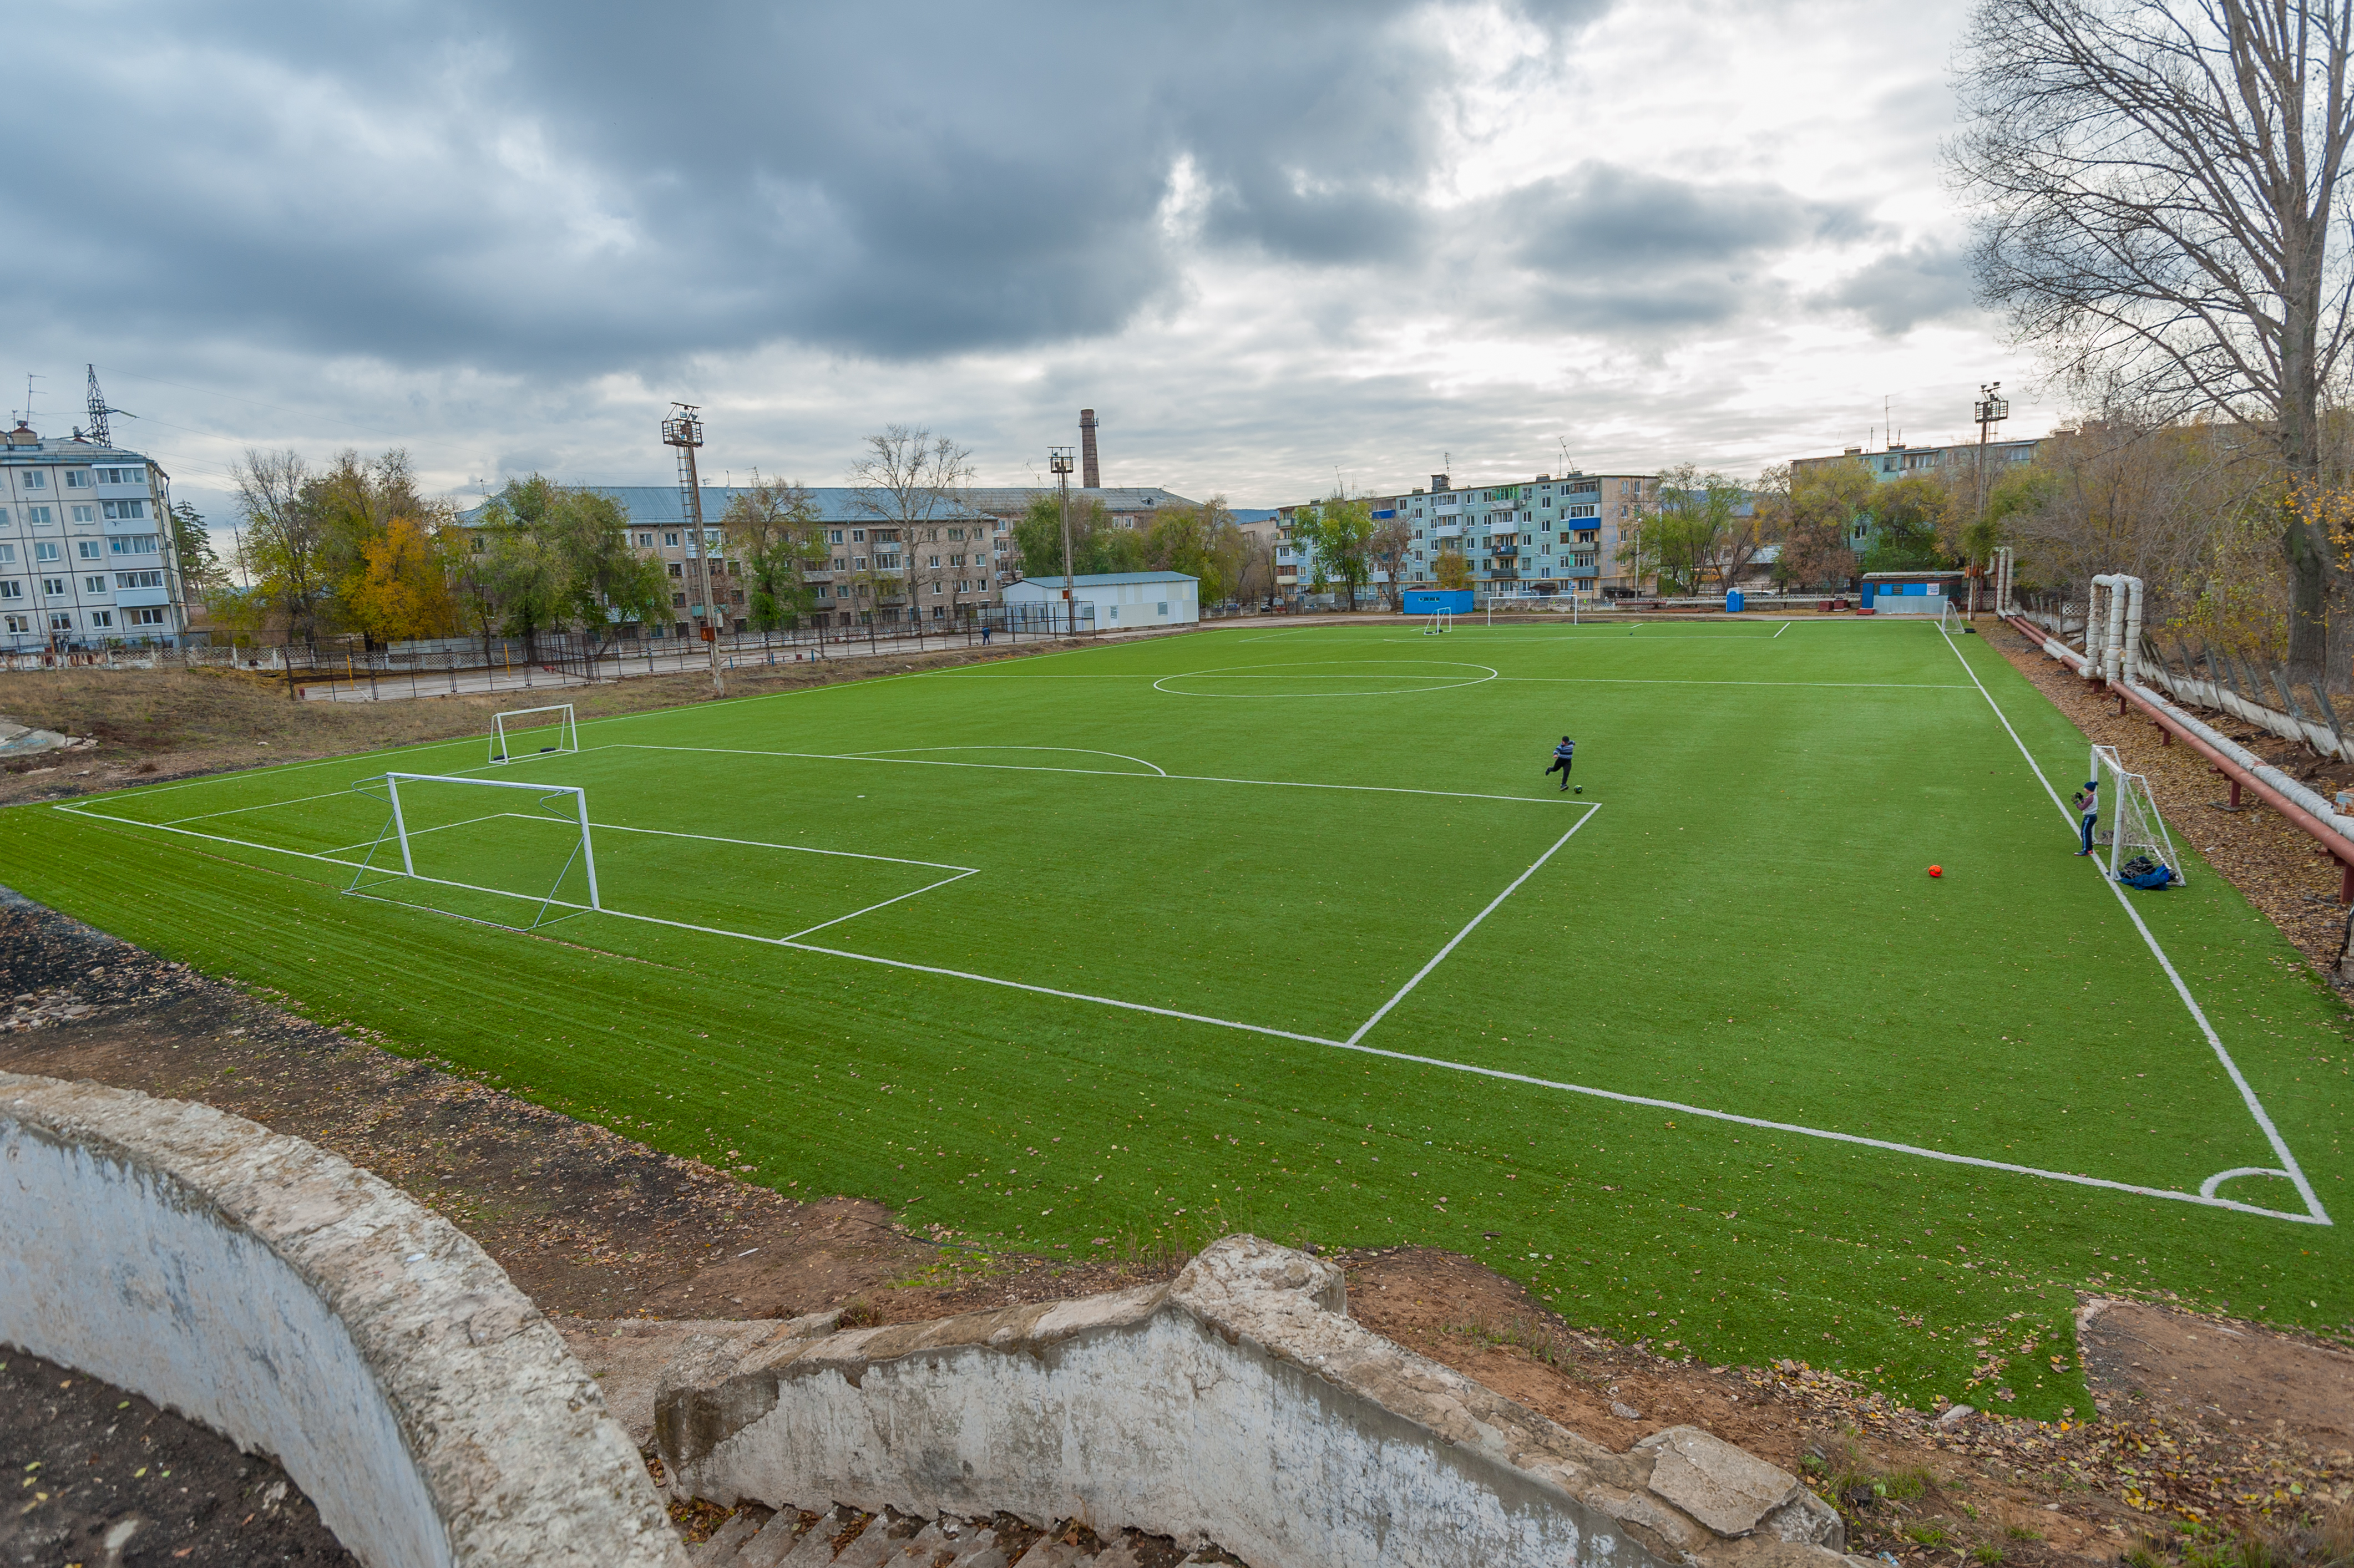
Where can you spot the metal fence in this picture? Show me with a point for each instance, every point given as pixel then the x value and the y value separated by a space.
pixel 347 670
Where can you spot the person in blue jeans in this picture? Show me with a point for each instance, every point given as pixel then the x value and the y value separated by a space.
pixel 2088 807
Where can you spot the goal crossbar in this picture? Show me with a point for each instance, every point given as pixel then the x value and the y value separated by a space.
pixel 567 731
pixel 2135 823
pixel 585 850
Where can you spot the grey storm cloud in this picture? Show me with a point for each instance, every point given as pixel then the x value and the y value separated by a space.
pixel 584 187
pixel 1927 282
pixel 1603 245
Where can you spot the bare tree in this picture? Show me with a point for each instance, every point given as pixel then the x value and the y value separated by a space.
pixel 283 547
pixel 911 482
pixel 1391 550
pixel 2154 185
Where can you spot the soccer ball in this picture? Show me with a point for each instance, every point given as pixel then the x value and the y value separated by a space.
pixel 1936 871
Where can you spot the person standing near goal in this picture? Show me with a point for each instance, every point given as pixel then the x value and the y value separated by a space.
pixel 1562 755
pixel 2088 807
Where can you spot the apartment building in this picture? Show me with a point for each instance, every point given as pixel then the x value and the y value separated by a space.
pixel 1129 506
pixel 1543 535
pixel 878 570
pixel 1954 463
pixel 86 558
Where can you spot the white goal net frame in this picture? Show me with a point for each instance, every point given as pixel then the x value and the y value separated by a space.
pixel 1437 622
pixel 396 828
pixel 1954 618
pixel 567 732
pixel 2131 816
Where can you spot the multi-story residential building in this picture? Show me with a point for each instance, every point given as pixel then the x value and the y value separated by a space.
pixel 86 557
pixel 1954 464
pixel 879 569
pixel 1544 536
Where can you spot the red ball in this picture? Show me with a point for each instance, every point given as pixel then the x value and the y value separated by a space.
pixel 1936 871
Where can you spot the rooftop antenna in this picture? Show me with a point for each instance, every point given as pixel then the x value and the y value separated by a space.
pixel 1566 466
pixel 97 431
pixel 25 415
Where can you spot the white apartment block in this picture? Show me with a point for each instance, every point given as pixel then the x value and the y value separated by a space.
pixel 86 559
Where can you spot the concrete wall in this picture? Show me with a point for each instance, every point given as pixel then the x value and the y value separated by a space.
pixel 307 1309
pixel 1240 1405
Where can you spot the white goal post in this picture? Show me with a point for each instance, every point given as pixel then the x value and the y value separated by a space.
pixel 2130 816
pixel 1437 622
pixel 583 851
pixel 567 733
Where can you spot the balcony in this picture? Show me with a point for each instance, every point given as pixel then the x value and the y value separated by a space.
pixel 1451 531
pixel 1504 552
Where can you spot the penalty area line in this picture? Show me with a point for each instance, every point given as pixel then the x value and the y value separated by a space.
pixel 2317 1214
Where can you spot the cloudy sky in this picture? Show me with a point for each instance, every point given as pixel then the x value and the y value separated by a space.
pixel 1272 244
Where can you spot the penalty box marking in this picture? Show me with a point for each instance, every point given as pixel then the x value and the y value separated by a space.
pixel 1355 1042
pixel 2314 1213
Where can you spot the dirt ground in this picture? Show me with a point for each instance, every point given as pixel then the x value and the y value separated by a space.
pixel 2200 1421
pixel 105 1478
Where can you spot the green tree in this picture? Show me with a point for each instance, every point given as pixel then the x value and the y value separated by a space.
pixel 1449 569
pixel 1692 528
pixel 193 553
pixel 773 527
pixel 1906 517
pixel 602 583
pixel 1819 515
pixel 1391 552
pixel 1038 535
pixel 1338 535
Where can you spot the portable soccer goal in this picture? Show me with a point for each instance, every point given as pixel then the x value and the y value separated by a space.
pixel 1953 619
pixel 441 836
pixel 2134 824
pixel 1437 622
pixel 528 732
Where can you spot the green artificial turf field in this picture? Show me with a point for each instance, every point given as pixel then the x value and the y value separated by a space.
pixel 1285 931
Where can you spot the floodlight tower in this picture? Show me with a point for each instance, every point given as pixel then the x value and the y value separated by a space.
pixel 1060 459
pixel 1992 409
pixel 685 431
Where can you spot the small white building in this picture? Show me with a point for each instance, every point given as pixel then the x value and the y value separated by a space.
pixel 1122 600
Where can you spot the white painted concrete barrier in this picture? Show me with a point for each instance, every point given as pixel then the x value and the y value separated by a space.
pixel 1240 1405
pixel 306 1308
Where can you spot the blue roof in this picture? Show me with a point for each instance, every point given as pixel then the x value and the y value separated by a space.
pixel 661 505
pixel 1105 579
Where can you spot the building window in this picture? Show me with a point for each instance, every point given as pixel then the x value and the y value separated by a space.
pixel 153 614
pixel 9 588
pixel 36 479
pixel 144 544
pixel 677 571
pixel 87 549
pixel 645 541
pixel 18 624
pixel 77 479
pixel 938 586
pixel 834 537
pixel 85 514
pixel 678 601
pixel 130 580
pixel 122 476
pixel 60 621
pixel 46 550
pixel 858 535
pixel 7 554
pixel 100 619
pixel 124 509
pixel 940 613
pixel 37 516
pixel 93 585
pixel 1163 610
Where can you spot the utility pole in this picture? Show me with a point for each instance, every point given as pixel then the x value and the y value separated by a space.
pixel 685 431
pixel 1060 458
pixel 1992 409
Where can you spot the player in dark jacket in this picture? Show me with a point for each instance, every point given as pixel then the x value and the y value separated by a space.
pixel 1562 755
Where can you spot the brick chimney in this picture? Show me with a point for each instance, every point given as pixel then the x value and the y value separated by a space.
pixel 1090 471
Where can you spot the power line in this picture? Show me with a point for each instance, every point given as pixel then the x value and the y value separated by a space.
pixel 233 397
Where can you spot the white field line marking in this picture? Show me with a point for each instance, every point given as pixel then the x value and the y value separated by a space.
pixel 1441 1062
pixel 1786 625
pixel 1105 773
pixel 763 843
pixel 870 909
pixel 1452 942
pixel 962 873
pixel 2295 1172
pixel 1830 685
pixel 1857 1138
pixel 1075 750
